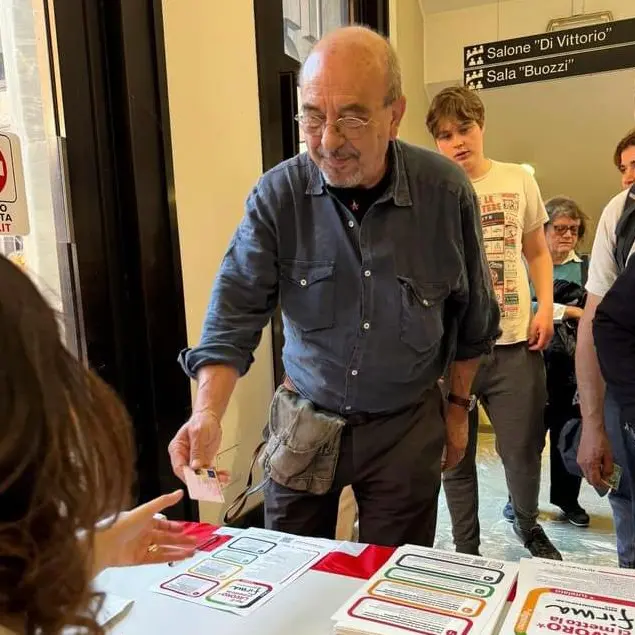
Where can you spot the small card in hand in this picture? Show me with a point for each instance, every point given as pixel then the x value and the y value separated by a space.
pixel 613 481
pixel 203 485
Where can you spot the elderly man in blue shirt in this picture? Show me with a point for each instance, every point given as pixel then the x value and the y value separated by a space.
pixel 373 249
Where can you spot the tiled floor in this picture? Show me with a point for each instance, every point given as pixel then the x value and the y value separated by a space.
pixel 595 544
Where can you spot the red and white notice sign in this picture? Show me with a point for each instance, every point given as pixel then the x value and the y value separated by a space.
pixel 14 215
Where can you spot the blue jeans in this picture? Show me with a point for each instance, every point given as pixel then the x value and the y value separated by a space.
pixel 622 438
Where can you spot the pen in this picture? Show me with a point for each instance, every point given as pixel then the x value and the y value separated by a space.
pixel 206 543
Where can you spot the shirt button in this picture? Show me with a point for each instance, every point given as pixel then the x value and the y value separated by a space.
pixel 367 273
pixel 351 224
pixel 354 373
pixel 366 325
pixel 303 282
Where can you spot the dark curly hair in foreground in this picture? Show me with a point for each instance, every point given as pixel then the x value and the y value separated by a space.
pixel 65 463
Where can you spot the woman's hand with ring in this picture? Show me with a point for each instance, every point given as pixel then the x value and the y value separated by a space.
pixel 141 537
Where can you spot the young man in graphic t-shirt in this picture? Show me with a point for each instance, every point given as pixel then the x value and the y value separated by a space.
pixel 511 381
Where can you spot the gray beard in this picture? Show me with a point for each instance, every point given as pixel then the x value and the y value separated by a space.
pixel 352 181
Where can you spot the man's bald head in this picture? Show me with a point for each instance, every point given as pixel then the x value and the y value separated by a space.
pixel 359 48
pixel 351 105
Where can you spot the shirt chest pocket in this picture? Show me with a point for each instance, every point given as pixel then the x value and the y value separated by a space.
pixel 421 313
pixel 307 293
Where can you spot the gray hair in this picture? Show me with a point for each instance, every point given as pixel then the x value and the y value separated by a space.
pixel 393 75
pixel 565 206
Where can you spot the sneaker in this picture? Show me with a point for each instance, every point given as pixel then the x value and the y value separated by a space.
pixel 576 516
pixel 508 512
pixel 536 541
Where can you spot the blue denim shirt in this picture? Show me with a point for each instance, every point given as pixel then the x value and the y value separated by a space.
pixel 372 313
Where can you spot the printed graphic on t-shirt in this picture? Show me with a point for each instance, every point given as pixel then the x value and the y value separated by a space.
pixel 501 233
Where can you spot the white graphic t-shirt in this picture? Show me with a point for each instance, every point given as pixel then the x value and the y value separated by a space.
pixel 603 269
pixel 511 206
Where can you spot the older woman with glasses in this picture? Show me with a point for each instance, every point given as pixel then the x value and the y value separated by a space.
pixel 566 227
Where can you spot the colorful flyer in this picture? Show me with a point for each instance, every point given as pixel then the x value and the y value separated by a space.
pixel 189 586
pixel 434 580
pixel 416 595
pixel 246 572
pixel 240 594
pixel 413 619
pixel 554 597
pixel 430 592
pixel 214 569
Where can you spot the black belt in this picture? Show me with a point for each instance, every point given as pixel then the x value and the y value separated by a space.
pixel 353 418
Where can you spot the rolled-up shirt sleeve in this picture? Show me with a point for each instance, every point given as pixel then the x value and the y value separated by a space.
pixel 479 322
pixel 245 292
pixel 614 337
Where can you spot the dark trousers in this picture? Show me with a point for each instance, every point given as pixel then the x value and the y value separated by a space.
pixel 393 464
pixel 511 386
pixel 561 389
pixel 621 435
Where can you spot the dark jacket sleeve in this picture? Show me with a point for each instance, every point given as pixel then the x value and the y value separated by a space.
pixel 614 336
pixel 479 323
pixel 245 293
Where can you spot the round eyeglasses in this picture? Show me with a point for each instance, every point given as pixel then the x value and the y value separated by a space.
pixel 347 127
pixel 561 230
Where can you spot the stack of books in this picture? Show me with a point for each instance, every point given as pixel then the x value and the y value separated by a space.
pixel 559 597
pixel 431 592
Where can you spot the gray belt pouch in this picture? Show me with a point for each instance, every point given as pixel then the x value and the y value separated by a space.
pixel 302 444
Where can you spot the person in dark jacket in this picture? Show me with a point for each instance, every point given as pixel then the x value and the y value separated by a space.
pixel 566 227
pixel 614 337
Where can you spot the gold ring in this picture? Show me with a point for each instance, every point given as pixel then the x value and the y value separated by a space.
pixel 153 548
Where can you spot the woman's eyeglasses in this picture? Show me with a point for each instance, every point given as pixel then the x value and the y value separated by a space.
pixel 561 230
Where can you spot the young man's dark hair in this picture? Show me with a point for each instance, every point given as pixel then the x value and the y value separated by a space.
pixel 625 142
pixel 624 158
pixel 458 104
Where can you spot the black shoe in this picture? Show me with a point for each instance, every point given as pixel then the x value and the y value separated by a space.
pixel 537 542
pixel 576 516
pixel 508 512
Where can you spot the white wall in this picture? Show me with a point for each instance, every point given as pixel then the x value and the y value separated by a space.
pixel 215 125
pixel 407 31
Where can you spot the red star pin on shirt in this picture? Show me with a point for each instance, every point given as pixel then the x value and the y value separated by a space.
pixel 354 206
